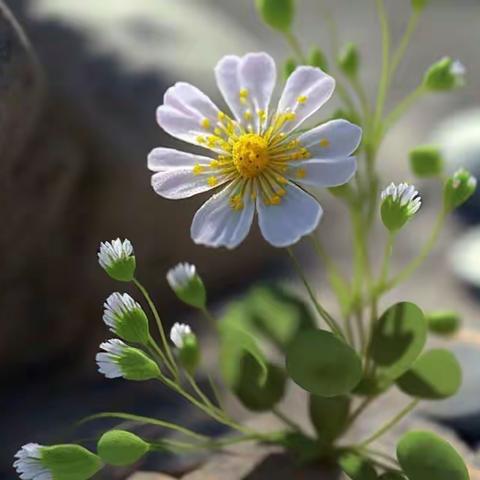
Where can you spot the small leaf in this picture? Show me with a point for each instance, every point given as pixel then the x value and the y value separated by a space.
pixel 322 364
pixel 398 339
pixel 425 456
pixel 329 416
pixel 435 375
pixel 357 467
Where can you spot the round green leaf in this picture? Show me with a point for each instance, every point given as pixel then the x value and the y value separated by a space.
pixel 398 339
pixel 329 415
pixel 357 467
pixel 323 364
pixel 425 456
pixel 435 375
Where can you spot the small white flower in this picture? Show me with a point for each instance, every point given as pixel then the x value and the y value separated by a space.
pixel 405 195
pixel 178 333
pixel 28 463
pixel 108 361
pixel 117 305
pixel 114 251
pixel 181 275
pixel 258 155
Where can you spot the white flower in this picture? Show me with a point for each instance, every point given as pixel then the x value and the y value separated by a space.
pixel 178 333
pixel 405 195
pixel 116 258
pixel 108 361
pixel 28 463
pixel 181 275
pixel 117 305
pixel 259 156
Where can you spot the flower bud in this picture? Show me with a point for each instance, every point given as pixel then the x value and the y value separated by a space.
pixel 458 189
pixel 277 14
pixel 317 58
pixel 444 75
pixel 126 318
pixel 119 360
pixel 289 67
pixel 188 286
pixel 117 259
pixel 349 60
pixel 186 342
pixel 443 322
pixel 399 204
pixel 426 161
pixel 419 5
pixel 121 448
pixel 66 462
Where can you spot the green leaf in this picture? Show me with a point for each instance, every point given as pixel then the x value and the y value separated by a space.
pixel 277 14
pixel 253 391
pixel 357 467
pixel 443 322
pixel 323 364
pixel 329 416
pixel 392 476
pixel 398 339
pixel 435 375
pixel 425 456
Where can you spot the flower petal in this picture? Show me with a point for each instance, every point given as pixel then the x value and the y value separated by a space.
pixel 307 89
pixel 187 113
pixel 334 139
pixel 181 174
pixel 284 224
pixel 322 172
pixel 217 224
pixel 228 82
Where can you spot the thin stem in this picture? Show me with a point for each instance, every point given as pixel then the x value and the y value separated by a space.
pixel 155 351
pixel 359 410
pixel 292 40
pixel 215 392
pixel 386 257
pixel 210 318
pixel 286 420
pixel 329 320
pixel 200 393
pixel 156 315
pixel 391 423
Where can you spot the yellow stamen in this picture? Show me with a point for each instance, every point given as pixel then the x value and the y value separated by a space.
pixel 250 155
pixel 205 123
pixel 302 99
pixel 324 143
pixel 198 169
pixel 212 181
pixel 236 202
pixel 301 173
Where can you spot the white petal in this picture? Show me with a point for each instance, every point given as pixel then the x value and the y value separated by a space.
pixel 228 81
pixel 298 214
pixel 184 109
pixel 334 139
pixel 217 224
pixel 175 177
pixel 322 172
pixel 309 82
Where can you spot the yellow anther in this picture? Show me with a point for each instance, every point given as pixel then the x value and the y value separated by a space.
pixel 289 116
pixel 250 155
pixel 324 143
pixel 198 169
pixel 212 181
pixel 281 192
pixel 243 94
pixel 247 115
pixel 275 200
pixel 212 141
pixel 200 139
pixel 262 115
pixel 301 173
pixel 236 202
pixel 214 163
pixel 217 131
pixel 205 123
pixel 281 179
pixel 221 116
pixel 302 99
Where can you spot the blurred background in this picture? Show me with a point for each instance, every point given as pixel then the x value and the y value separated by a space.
pixel 80 81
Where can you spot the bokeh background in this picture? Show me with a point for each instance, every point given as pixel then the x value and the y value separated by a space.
pixel 79 84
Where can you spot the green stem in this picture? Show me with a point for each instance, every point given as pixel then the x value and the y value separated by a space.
pixel 359 410
pixel 329 320
pixel 200 393
pixel 210 318
pixel 391 423
pixel 386 257
pixel 156 315
pixel 286 420
pixel 292 40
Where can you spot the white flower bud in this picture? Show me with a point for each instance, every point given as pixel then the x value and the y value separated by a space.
pixel 399 204
pixel 187 285
pixel 117 259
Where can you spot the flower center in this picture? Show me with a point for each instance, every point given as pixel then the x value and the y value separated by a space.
pixel 250 155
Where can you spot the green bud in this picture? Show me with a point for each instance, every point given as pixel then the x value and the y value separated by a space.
pixel 117 259
pixel 136 365
pixel 121 448
pixel 419 5
pixel 399 204
pixel 443 322
pixel 317 58
pixel 70 462
pixel 458 189
pixel 426 161
pixel 349 60
pixel 277 14
pixel 289 67
pixel 188 349
pixel 444 75
pixel 187 285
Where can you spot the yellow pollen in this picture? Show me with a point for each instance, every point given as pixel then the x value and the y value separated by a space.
pixel 262 115
pixel 281 192
pixel 200 139
pixel 250 155
pixel 324 143
pixel 302 99
pixel 243 94
pixel 289 116
pixel 275 200
pixel 236 202
pixel 247 115
pixel 217 131
pixel 212 181
pixel 301 173
pixel 214 163
pixel 198 169
pixel 220 116
pixel 205 123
